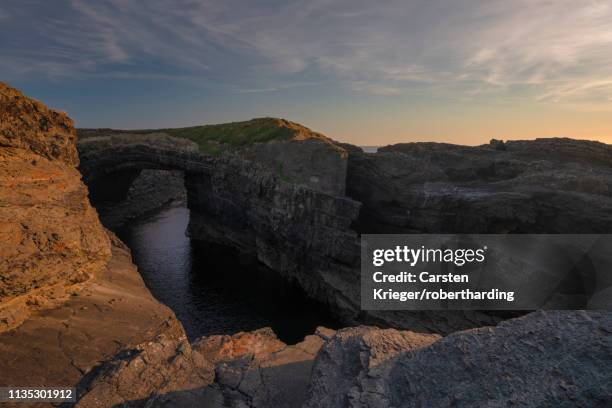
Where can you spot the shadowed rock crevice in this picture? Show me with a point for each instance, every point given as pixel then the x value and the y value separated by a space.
pixel 310 237
pixel 125 197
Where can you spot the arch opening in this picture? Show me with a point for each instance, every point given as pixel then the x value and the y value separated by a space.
pixel 212 288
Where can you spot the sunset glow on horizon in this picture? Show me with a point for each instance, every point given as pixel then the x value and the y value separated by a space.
pixel 362 72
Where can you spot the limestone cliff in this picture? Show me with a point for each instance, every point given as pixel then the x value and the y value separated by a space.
pixel 76 312
pixel 541 186
pixel 51 237
pixel 70 297
pixel 291 151
pixel 305 235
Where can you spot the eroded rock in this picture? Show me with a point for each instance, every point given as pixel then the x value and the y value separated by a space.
pixel 349 368
pixel 70 296
pixel 51 238
pixel 542 186
pixel 556 358
pixel 159 366
pixel 256 369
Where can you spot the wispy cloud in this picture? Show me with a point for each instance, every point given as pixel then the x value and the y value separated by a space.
pixel 553 50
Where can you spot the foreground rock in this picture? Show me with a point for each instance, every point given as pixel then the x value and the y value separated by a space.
pixel 70 297
pixel 112 312
pixel 161 365
pixel 250 369
pixel 256 369
pixel 51 237
pixel 542 359
pixel 354 360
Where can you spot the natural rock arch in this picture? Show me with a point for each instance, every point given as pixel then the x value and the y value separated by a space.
pixel 109 154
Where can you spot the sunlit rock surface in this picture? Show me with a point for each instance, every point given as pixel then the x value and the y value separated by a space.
pixel 51 237
pixel 70 297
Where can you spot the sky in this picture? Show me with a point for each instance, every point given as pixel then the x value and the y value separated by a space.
pixel 363 72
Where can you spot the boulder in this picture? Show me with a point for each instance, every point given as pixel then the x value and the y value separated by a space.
pixel 556 359
pixel 351 365
pixel 256 369
pixel 159 366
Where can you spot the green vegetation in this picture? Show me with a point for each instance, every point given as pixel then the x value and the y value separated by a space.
pixel 212 138
pixel 235 134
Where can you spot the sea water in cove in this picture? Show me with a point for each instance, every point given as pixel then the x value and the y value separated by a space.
pixel 212 289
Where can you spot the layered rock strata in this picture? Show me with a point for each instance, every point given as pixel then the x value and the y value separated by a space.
pixel 51 238
pixel 70 296
pixel 148 192
pixel 541 186
pixel 304 235
pixel 248 369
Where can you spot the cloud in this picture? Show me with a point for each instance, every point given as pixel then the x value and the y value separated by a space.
pixel 555 51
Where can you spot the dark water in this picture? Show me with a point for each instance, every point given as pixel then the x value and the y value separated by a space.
pixel 211 288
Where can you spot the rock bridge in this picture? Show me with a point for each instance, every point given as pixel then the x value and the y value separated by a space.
pixel 304 226
pixel 104 155
pixel 302 233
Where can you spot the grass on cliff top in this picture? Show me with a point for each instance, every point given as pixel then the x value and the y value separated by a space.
pixel 210 138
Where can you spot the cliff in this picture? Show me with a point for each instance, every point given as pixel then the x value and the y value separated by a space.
pixel 292 151
pixel 540 186
pixel 309 232
pixel 70 297
pixel 74 310
pixel 51 237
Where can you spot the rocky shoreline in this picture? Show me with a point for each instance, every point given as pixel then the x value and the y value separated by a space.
pixel 74 310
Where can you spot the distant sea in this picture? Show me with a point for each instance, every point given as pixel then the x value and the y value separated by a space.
pixel 370 149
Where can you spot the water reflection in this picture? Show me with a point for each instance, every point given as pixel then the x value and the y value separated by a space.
pixel 211 289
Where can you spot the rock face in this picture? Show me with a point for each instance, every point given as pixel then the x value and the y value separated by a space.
pixel 30 126
pixel 51 237
pixel 317 163
pixel 161 365
pixel 149 191
pixel 350 365
pixel 106 155
pixel 540 186
pixel 70 296
pixel 542 359
pixel 302 234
